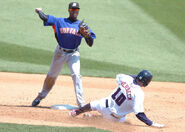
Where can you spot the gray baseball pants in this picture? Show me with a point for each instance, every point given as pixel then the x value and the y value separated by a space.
pixel 73 61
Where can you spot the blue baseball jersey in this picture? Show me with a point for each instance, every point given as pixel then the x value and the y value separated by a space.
pixel 67 32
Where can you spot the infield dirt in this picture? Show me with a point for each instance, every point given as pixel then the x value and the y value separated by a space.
pixel 164 103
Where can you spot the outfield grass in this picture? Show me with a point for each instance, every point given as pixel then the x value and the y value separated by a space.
pixel 166 12
pixel 7 127
pixel 131 35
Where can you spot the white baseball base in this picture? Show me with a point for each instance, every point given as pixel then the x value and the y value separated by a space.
pixel 63 107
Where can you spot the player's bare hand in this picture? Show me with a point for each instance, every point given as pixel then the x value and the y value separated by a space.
pixel 38 9
pixel 157 125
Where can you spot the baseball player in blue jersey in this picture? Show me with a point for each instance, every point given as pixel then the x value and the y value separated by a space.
pixel 68 33
pixel 126 98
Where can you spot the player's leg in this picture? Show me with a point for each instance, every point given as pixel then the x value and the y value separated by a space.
pixel 48 84
pixel 55 68
pixel 94 105
pixel 74 65
pixel 80 110
pixel 97 105
pixel 102 106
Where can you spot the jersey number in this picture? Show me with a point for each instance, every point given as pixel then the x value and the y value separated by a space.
pixel 120 99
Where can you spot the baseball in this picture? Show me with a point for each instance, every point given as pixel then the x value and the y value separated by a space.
pixel 38 9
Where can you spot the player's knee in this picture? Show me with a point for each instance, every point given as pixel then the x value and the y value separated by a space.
pixel 76 76
pixel 94 105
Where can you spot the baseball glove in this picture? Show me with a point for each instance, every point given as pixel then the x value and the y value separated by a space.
pixel 84 30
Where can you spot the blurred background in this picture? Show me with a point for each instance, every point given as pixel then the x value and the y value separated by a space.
pixel 132 35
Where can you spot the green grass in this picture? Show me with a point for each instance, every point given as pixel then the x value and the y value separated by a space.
pixel 131 36
pixel 7 127
pixel 32 60
pixel 166 12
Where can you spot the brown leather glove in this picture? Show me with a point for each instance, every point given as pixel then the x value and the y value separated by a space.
pixel 84 29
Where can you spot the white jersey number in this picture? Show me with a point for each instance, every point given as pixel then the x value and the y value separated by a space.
pixel 118 99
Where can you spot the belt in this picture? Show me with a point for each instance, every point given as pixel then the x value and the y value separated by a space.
pixel 68 51
pixel 106 103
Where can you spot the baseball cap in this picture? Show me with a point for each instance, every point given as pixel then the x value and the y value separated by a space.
pixel 74 5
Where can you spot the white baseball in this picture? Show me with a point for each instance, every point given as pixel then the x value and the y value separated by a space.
pixel 38 9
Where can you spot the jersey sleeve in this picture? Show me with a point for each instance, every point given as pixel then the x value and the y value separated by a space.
pixel 138 102
pixel 120 78
pixel 92 34
pixel 51 21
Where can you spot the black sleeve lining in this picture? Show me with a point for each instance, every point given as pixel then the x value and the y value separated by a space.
pixel 43 16
pixel 142 117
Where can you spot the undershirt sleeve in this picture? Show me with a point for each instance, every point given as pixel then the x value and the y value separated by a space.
pixel 43 16
pixel 142 117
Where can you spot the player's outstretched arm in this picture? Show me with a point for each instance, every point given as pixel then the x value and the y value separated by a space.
pixel 142 117
pixel 41 14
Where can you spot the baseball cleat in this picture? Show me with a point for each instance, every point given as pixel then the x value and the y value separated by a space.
pixel 36 102
pixel 73 113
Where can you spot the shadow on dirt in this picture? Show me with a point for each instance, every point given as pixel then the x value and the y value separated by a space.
pixel 26 106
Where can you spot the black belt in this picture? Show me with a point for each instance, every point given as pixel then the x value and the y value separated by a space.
pixel 106 103
pixel 67 51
